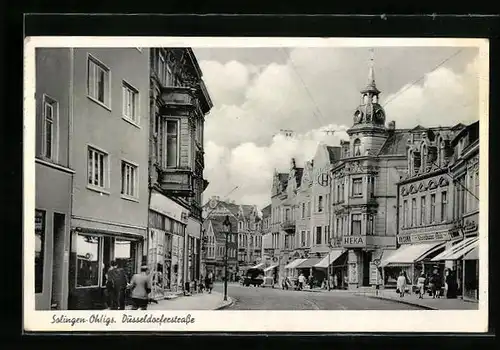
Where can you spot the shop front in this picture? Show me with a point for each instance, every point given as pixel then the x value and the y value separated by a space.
pixel 92 250
pixel 313 276
pixel 51 236
pixel 412 260
pixel 336 261
pixel 167 227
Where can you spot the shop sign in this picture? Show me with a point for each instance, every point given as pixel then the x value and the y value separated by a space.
pixel 425 237
pixel 354 241
pixel 374 274
pixel 167 207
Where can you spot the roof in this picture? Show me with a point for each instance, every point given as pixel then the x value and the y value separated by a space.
pixel 395 143
pixel 266 211
pixel 217 225
pixel 334 153
pixel 247 210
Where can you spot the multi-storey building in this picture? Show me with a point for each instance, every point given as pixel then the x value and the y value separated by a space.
pixel 53 175
pixel 217 242
pixel 109 116
pixel 304 213
pixel 249 244
pixel 267 253
pixel 178 103
pixel 425 205
pixel 284 212
pixel 465 172
pixel 364 190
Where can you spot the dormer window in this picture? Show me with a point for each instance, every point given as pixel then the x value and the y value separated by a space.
pixel 357 148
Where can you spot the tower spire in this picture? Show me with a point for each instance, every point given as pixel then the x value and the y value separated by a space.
pixel 371 86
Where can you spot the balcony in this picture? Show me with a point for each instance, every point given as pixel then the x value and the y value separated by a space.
pixel 288 225
pixel 176 182
pixel 176 98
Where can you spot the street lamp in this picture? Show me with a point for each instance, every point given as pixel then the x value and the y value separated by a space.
pixel 226 226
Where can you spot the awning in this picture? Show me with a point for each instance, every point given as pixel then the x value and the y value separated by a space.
pixel 258 266
pixel 409 254
pixel 330 257
pixel 458 250
pixel 309 263
pixel 294 263
pixel 270 268
pixel 473 254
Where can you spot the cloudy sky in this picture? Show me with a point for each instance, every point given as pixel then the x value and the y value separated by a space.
pixel 258 92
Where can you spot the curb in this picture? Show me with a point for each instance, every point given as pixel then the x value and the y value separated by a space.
pixel 227 304
pixel 397 301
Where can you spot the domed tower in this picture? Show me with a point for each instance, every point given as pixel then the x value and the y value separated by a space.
pixel 368 132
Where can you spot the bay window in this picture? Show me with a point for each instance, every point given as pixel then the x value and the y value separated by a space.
pixel 357 189
pixel 356 224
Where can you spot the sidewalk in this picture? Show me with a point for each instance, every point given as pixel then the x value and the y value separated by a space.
pixel 426 303
pixel 200 301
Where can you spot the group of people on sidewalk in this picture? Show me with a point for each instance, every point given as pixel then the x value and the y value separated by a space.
pixel 432 284
pixel 308 282
pixel 117 287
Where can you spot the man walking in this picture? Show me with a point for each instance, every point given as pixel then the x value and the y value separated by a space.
pixel 117 285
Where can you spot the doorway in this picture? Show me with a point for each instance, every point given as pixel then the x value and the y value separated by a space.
pixel 57 297
pixel 367 257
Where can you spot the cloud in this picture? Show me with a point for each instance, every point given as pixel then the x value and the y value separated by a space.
pixel 318 89
pixel 251 167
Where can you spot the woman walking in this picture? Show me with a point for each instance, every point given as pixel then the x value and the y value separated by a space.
pixel 209 282
pixel 401 284
pixel 140 284
pixel 421 286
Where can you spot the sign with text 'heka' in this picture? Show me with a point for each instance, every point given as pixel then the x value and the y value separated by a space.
pixel 354 241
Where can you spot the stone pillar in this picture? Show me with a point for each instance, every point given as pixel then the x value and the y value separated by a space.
pixel 353 267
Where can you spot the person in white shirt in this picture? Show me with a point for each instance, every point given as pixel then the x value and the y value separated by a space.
pixel 421 286
pixel 401 284
pixel 302 281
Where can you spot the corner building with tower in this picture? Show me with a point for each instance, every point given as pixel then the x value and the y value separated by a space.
pixel 364 190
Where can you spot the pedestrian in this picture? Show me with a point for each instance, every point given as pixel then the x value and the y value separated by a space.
pixel 140 285
pixel 434 284
pixel 335 281
pixel 117 286
pixel 401 284
pixel 209 282
pixel 201 286
pixel 302 281
pixel 451 284
pixel 421 285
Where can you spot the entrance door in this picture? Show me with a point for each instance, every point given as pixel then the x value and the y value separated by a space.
pixel 57 300
pixel 367 257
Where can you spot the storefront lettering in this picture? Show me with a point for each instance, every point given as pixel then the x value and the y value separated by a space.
pixel 424 237
pixel 354 241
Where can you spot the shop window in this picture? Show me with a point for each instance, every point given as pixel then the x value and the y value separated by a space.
pixel 87 261
pixel 125 256
pixel 39 249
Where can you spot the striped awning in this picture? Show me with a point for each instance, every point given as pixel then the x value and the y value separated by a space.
pixel 458 250
pixel 294 264
pixel 410 253
pixel 473 254
pixel 308 263
pixel 330 258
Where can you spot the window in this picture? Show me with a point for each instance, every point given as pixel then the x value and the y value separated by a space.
pixel 130 103
pixel 161 68
pixel 357 187
pixel 87 261
pixel 171 159
pixel 433 208
pixel 371 186
pixel 308 209
pixel 423 211
pixel 342 193
pixel 357 148
pixel 39 249
pixel 125 256
pixel 97 166
pixel 444 206
pixel 356 224
pixel 338 193
pixel 320 204
pixel 303 238
pixel 129 179
pixel 308 238
pixel 413 212
pixel 303 210
pixel 369 225
pixel 50 128
pixel 318 235
pixel 98 81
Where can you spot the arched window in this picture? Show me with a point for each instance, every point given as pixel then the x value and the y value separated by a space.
pixel 357 148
